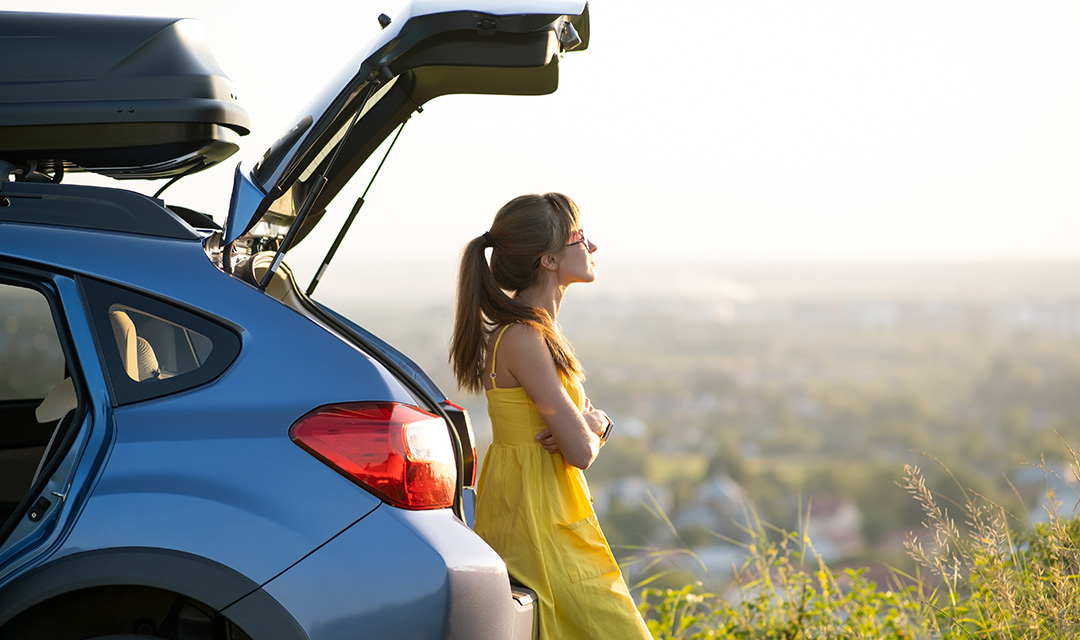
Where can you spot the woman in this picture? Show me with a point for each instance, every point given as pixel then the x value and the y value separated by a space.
pixel 533 506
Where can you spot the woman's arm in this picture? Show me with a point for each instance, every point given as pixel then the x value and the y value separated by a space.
pixel 596 420
pixel 529 362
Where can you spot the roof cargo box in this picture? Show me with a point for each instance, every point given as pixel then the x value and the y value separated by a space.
pixel 120 96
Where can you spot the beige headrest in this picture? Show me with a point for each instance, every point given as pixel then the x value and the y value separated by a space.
pixel 124 332
pixel 148 362
pixel 57 403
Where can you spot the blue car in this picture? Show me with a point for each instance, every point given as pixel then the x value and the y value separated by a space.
pixel 191 447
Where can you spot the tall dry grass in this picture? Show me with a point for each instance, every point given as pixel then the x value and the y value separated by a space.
pixel 991 576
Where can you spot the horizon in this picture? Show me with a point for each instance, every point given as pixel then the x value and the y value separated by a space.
pixel 428 283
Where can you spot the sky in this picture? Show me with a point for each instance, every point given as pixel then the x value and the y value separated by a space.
pixel 719 131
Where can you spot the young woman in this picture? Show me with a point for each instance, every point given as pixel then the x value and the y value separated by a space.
pixel 533 506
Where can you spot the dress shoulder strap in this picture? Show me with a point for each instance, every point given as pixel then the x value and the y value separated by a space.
pixel 494 352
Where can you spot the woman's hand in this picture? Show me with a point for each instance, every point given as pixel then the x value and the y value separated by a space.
pixel 548 441
pixel 595 419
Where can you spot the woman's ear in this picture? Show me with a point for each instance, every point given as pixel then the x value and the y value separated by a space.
pixel 549 261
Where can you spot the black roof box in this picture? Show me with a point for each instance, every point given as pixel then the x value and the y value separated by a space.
pixel 121 96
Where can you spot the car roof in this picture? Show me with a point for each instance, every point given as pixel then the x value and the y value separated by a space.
pixel 88 207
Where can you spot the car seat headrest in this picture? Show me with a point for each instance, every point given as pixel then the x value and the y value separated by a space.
pixel 148 362
pixel 57 403
pixel 124 332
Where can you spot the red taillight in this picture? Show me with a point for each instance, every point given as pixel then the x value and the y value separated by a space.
pixel 398 452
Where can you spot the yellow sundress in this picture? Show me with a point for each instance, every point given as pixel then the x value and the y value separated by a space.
pixel 535 510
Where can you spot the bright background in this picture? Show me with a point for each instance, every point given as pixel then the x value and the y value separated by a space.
pixel 721 131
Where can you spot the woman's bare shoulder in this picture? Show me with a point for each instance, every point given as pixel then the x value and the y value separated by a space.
pixel 520 337
pixel 520 352
pixel 523 344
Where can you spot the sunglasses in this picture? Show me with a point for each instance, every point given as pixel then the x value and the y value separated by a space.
pixel 577 237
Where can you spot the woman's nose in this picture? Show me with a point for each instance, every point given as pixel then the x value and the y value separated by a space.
pixel 591 245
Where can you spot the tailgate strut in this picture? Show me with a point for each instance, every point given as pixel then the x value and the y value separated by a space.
pixel 313 195
pixel 352 216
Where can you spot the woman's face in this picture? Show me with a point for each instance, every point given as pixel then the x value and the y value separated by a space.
pixel 576 263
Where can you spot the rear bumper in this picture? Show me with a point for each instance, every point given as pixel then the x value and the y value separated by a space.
pixel 394 574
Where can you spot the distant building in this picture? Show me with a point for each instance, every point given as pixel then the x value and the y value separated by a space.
pixel 629 492
pixel 834 526
pixel 1035 485
pixel 719 505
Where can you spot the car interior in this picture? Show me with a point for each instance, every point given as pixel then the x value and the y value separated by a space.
pixel 152 348
pixel 282 285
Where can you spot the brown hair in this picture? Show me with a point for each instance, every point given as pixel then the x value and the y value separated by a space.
pixel 524 229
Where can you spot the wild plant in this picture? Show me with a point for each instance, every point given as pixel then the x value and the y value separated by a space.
pixel 784 590
pixel 994 583
pixel 982 580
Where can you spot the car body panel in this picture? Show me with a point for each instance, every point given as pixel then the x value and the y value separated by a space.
pixel 169 456
pixel 210 583
pixel 249 479
pixel 144 264
pixel 437 580
pixel 474 569
pixel 418 375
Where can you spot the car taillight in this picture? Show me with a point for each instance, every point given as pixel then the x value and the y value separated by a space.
pixel 398 452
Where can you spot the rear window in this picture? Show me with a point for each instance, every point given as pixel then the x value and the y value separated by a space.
pixel 153 347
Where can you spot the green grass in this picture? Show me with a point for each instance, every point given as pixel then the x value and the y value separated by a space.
pixel 989 576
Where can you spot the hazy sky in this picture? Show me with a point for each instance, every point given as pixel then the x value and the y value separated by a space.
pixel 747 130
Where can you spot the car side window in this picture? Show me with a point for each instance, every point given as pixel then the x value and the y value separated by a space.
pixel 35 392
pixel 152 347
pixel 31 358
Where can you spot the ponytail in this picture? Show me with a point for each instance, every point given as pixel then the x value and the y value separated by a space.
pixel 476 291
pixel 524 229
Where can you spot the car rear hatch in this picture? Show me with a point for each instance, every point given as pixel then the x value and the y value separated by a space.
pixel 433 48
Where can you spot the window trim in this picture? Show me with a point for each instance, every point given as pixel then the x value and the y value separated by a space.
pixel 100 296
